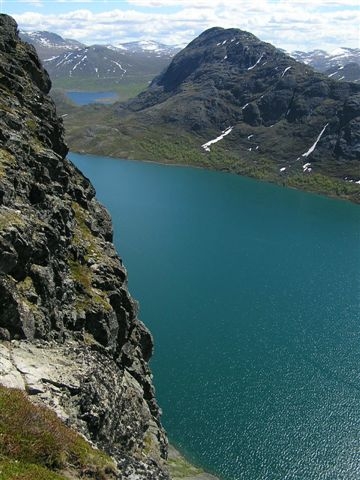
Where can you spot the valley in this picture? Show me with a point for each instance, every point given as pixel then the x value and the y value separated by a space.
pixel 289 124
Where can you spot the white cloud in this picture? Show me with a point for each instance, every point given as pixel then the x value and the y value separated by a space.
pixel 292 25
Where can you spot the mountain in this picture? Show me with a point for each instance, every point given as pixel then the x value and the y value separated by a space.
pixel 230 101
pixel 74 65
pixel 341 63
pixel 99 61
pixel 70 335
pixel 49 44
pixel 149 46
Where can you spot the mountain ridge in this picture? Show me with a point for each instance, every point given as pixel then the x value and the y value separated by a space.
pixel 275 106
pixel 69 61
pixel 342 63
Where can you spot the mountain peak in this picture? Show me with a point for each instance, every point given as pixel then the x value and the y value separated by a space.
pixel 257 104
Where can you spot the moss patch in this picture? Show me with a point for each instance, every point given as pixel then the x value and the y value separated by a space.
pixel 179 468
pixel 9 217
pixel 80 271
pixel 17 470
pixel 6 159
pixel 35 444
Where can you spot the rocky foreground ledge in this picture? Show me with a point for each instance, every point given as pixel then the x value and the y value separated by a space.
pixel 69 332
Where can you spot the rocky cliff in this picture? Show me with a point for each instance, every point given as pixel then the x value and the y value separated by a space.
pixel 69 332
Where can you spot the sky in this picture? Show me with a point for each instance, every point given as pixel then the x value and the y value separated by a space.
pixel 292 25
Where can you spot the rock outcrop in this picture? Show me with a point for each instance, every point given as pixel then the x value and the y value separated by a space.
pixel 69 332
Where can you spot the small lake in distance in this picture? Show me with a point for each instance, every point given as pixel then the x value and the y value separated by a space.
pixel 84 98
pixel 252 293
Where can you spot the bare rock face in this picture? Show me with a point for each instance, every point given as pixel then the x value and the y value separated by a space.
pixel 69 331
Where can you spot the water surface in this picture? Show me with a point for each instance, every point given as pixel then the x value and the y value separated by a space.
pixel 84 98
pixel 252 292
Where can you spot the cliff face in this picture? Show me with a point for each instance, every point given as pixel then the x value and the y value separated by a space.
pixel 69 332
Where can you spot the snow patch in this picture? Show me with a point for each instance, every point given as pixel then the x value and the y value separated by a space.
pixel 82 60
pixel 119 65
pixel 312 148
pixel 250 136
pixel 339 51
pixel 258 61
pixel 63 60
pixel 306 167
pixel 51 58
pixel 243 108
pixel 206 146
pixel 282 169
pixel 286 70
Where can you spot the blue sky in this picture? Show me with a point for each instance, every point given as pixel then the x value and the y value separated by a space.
pixel 288 24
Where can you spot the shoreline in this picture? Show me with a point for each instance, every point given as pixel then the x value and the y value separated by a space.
pixel 224 170
pixel 181 469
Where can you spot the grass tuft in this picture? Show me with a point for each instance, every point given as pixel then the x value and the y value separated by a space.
pixel 36 445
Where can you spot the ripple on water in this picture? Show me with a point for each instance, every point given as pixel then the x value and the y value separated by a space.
pixel 252 294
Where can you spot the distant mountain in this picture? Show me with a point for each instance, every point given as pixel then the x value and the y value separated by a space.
pixel 72 64
pixel 101 61
pixel 341 63
pixel 231 101
pixel 149 46
pixel 48 44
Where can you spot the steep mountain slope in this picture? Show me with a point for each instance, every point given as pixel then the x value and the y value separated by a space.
pixel 230 101
pixel 69 331
pixel 340 64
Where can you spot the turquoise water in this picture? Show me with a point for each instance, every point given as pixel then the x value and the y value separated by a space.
pixel 84 98
pixel 252 292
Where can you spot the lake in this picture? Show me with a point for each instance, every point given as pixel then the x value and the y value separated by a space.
pixel 252 293
pixel 84 98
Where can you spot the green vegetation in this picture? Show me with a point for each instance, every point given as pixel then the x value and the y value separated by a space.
pixel 10 218
pixel 129 139
pixel 18 470
pixel 179 468
pixel 36 445
pixel 82 234
pixel 318 183
pixel 6 159
pixel 31 124
pixel 80 271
